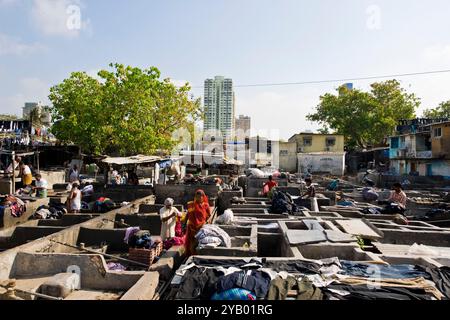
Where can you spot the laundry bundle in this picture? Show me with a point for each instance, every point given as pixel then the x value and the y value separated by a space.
pixel 256 282
pixel 87 190
pixel 237 200
pixel 369 194
pixel 212 236
pixel 16 205
pixel 51 212
pixel 282 203
pixel 103 205
pixel 226 218
pixel 176 241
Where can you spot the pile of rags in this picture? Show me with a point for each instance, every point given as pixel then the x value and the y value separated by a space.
pixel 52 212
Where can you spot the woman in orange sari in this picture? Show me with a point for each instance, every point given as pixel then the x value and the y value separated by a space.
pixel 198 214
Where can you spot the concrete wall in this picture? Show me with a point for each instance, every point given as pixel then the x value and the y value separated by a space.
pixel 53 177
pixel 69 235
pixel 149 222
pixel 94 272
pixel 441 145
pixel 124 193
pixel 333 163
pixel 24 234
pixel 224 199
pixel 288 156
pixel 182 194
pixel 155 208
pixel 255 185
pixel 318 143
pixel 5 186
pixel 406 237
pixel 8 220
pixel 95 237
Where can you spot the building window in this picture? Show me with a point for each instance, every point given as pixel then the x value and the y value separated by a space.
pixel 284 152
pixel 394 143
pixel 438 132
pixel 307 142
pixel 330 142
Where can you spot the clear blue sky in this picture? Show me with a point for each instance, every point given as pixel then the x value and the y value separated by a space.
pixel 251 41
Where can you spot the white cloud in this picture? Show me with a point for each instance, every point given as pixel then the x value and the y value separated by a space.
pixel 60 17
pixel 14 46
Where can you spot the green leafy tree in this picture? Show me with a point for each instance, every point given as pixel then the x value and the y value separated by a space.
pixel 442 111
pixel 365 118
pixel 36 118
pixel 127 111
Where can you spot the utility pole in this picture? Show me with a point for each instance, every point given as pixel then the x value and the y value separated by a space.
pixel 13 155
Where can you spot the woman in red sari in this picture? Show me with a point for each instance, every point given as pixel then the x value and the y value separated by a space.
pixel 198 214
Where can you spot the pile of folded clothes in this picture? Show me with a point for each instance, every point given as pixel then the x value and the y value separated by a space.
pixel 212 236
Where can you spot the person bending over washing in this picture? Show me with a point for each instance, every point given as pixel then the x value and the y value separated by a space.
pixel 310 190
pixel 198 214
pixel 25 175
pixel 397 201
pixel 41 186
pixel 269 185
pixel 74 200
pixel 168 216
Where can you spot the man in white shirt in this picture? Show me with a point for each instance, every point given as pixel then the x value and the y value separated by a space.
pixel 41 186
pixel 168 216
pixel 17 160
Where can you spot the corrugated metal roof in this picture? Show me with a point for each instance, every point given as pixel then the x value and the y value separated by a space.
pixel 139 159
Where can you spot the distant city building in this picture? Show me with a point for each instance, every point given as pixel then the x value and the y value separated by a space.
pixel 28 108
pixel 346 86
pixel 243 124
pixel 219 103
pixel 44 112
pixel 317 153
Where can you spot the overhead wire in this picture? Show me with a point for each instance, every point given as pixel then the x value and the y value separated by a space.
pixel 398 75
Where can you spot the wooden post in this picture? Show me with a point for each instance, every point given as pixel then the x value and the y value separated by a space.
pixel 13 155
pixel 37 155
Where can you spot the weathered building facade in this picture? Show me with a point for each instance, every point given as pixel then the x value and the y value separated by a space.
pixel 421 147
